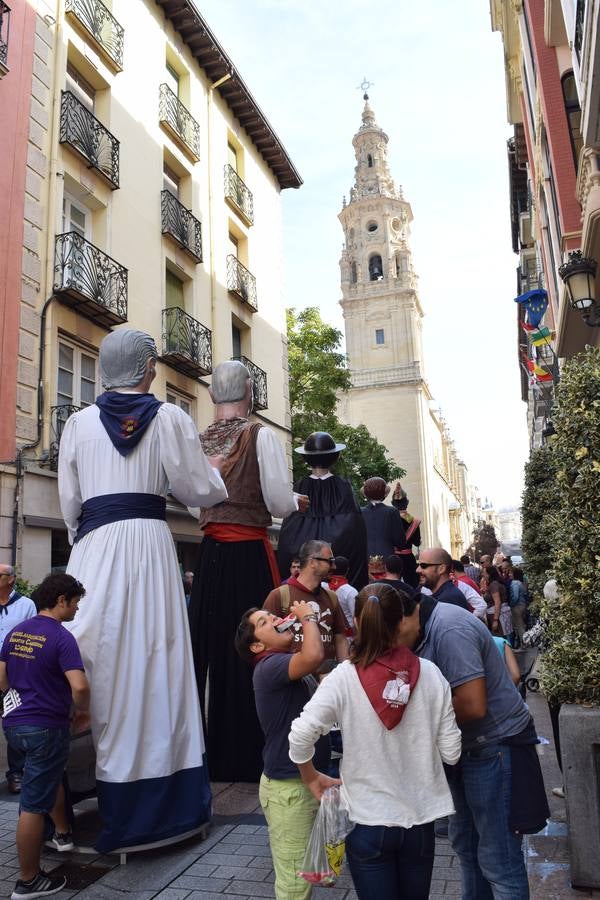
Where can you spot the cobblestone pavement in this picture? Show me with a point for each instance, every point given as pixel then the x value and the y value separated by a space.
pixel 234 861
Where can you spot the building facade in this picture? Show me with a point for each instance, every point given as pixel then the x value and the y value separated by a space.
pixel 145 193
pixel 552 65
pixel 383 325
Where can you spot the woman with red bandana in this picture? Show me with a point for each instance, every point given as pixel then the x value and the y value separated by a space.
pixel 395 713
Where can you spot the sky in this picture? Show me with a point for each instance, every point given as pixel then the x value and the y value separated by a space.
pixel 438 91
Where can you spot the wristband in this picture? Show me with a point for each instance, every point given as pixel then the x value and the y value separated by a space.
pixel 310 618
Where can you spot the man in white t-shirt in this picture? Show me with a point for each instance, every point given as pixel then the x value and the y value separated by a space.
pixel 345 593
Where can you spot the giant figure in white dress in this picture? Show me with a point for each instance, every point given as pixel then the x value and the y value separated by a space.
pixel 118 460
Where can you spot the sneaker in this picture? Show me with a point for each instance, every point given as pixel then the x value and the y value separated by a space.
pixel 62 842
pixel 14 783
pixel 41 886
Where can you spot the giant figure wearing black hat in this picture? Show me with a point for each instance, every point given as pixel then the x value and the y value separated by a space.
pixel 333 514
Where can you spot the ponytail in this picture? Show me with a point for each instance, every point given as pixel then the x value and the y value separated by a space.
pixel 378 610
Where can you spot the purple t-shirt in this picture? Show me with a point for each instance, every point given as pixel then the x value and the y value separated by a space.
pixel 37 653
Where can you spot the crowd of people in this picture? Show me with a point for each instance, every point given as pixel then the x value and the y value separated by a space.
pixel 402 666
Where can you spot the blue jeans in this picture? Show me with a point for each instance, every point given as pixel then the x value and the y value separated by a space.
pixel 490 854
pixel 45 751
pixel 391 863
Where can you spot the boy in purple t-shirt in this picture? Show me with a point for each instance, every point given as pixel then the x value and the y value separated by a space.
pixel 42 674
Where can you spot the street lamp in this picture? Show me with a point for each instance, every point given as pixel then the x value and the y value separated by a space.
pixel 578 274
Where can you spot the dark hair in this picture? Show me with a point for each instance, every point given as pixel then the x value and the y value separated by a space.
pixel 244 635
pixel 341 565
pixel 377 621
pixel 395 565
pixel 322 460
pixel 294 559
pixel 457 566
pixel 492 573
pixel 466 559
pixel 52 587
pixel 311 548
pixel 518 574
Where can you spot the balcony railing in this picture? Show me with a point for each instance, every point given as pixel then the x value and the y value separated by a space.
pixel 239 194
pixel 4 32
pixel 179 122
pixel 89 280
pixel 186 343
pixel 259 380
pixel 241 282
pixel 100 23
pixel 58 420
pixel 89 138
pixel 181 225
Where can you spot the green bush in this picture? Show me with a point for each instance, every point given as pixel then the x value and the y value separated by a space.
pixel 539 510
pixel 571 671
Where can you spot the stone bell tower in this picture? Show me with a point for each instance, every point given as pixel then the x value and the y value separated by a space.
pixel 382 318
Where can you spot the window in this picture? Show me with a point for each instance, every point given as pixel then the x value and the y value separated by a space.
pixel 236 341
pixel 372 227
pixel 232 156
pixel 170 181
pixel 174 290
pixel 375 268
pixel 172 79
pixel 353 273
pixel 82 89
pixel 234 245
pixel 369 161
pixel 379 336
pixel 77 376
pixel 76 217
pixel 573 111
pixel 181 400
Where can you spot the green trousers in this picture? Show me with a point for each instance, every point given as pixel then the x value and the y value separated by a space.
pixel 290 811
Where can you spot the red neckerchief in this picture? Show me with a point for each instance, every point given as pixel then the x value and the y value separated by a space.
pixel 258 657
pixel 385 680
pixel 293 582
pixel 336 581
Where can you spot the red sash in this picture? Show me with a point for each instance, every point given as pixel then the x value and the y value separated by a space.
pixel 232 533
pixel 336 581
pixel 389 683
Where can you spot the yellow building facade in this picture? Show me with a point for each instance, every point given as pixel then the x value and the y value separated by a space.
pixel 152 202
pixel 383 325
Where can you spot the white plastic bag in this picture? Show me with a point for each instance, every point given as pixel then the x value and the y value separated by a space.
pixel 325 851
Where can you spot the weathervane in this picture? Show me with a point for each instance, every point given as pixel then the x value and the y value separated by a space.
pixel 364 86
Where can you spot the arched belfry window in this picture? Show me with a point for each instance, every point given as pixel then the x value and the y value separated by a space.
pixel 375 268
pixel 369 160
pixel 573 111
pixel 353 274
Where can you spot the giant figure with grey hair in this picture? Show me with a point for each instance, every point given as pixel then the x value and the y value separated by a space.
pixel 236 569
pixel 118 460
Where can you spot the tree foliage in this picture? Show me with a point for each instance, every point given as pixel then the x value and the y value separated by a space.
pixel 318 374
pixel 571 670
pixel 484 540
pixel 539 510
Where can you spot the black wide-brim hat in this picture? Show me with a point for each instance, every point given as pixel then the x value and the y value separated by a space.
pixel 319 443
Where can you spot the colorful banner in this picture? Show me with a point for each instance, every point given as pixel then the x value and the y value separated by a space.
pixel 535 304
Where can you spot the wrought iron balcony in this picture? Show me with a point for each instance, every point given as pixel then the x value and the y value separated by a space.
pixel 238 194
pixel 89 138
pixel 4 32
pixel 259 380
pixel 102 26
pixel 89 280
pixel 58 420
pixel 181 225
pixel 241 282
pixel 179 122
pixel 186 343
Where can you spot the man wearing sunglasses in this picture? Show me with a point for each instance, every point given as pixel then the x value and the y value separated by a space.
pixel 316 564
pixel 434 569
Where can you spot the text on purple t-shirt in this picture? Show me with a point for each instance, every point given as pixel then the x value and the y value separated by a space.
pixel 37 653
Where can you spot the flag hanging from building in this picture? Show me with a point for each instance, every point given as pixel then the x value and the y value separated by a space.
pixel 535 304
pixel 542 336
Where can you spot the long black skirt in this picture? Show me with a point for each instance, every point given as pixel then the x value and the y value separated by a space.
pixel 230 577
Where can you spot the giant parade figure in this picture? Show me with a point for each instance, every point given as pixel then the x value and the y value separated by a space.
pixel 236 569
pixel 119 458
pixel 412 536
pixel 333 514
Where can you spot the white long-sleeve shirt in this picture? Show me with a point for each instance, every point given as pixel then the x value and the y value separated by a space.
pixel 391 778
pixel 279 498
pixel 475 600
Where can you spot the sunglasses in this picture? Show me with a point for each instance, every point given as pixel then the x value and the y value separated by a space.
pixel 327 559
pixel 421 565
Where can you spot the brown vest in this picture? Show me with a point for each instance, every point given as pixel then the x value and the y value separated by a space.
pixel 241 475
